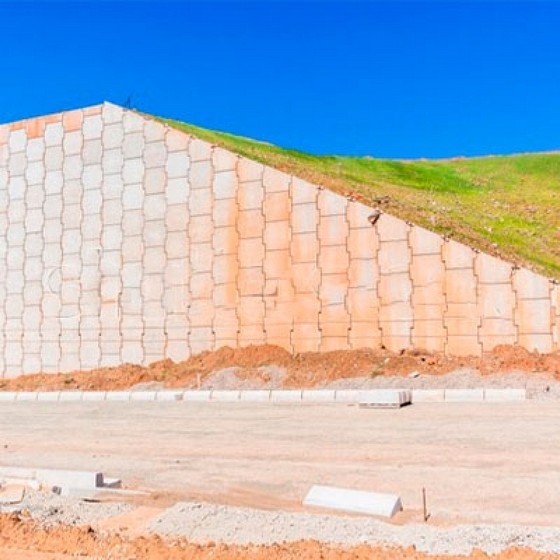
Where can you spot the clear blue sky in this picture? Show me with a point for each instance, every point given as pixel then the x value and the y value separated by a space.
pixel 389 79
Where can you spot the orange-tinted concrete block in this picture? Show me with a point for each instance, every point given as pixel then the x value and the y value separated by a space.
pixel 200 229
pixel 459 310
pixel 225 240
pixel 333 289
pixel 201 339
pixel 362 304
pixel 277 236
pixel 463 346
pixel 489 341
pixel 305 277
pixel 305 338
pixel 201 286
pixel 497 327
pixel 225 295
pixel 201 255
pixel 278 314
pixel 225 185
pixel 457 255
pixel 176 141
pixel 72 120
pixel 460 286
pixel 424 242
pixel 429 312
pixel 250 224
pixel 251 252
pixel 200 202
pixel 395 288
pixel 394 257
pixel 302 192
pixel 334 330
pixel 304 247
pixel 491 270
pixel 331 343
pixel 534 316
pixel 227 320
pixel 396 312
pixel 251 281
pixel 199 150
pixel 249 170
pixel 251 334
pixel 304 218
pixel 428 329
pixel 363 273
pixel 277 264
pixel 359 215
pixel 333 230
pixel 35 128
pixel 224 160
pixel 462 326
pixel 392 229
pixel 364 335
pixel 529 285
pixel 250 196
pixel 201 313
pixel 427 270
pixel 277 206
pixel 428 295
pixel 224 213
pixel 279 290
pixel 251 310
pixel 334 259
pixel 306 309
pixel 542 343
pixel 496 300
pixel 363 243
pixel 276 181
pixel 331 203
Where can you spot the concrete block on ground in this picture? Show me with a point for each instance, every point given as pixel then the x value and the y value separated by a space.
pixel 428 395
pixel 384 398
pixel 225 396
pixel 464 395
pixel 255 396
pixel 143 395
pixel 169 396
pixel 71 396
pixel 94 396
pixel 118 395
pixel 26 396
pixel 197 396
pixel 48 396
pixel 355 501
pixel 318 395
pixel 350 396
pixel 287 396
pixel 505 395
pixel 54 477
pixel 8 396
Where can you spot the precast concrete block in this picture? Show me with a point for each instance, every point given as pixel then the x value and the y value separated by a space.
pixel 26 396
pixel 428 395
pixel 92 396
pixel 505 395
pixel 118 396
pixel 143 396
pixel 169 396
pixel 71 396
pixel 355 501
pixel 286 396
pixel 464 395
pixel 196 395
pixel 225 396
pixel 348 396
pixel 255 396
pixel 318 395
pixel 384 398
pixel 8 396
pixel 48 396
pixel 69 478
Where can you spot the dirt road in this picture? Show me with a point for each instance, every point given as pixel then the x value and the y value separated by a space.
pixel 479 462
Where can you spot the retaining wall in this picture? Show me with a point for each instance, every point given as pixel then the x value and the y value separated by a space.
pixel 123 240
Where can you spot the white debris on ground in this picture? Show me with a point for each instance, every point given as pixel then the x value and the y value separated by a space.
pixel 202 523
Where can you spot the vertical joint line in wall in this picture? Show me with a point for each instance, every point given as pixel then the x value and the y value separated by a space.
pixel 122 286
pixel 290 241
pixel 164 301
pixel 410 227
pixel 238 233
pixel 212 201
pixel 376 259
pixel 263 243
pixel 513 274
pixel 347 228
pixel 318 267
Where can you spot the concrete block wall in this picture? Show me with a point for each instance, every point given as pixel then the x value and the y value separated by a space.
pixel 123 240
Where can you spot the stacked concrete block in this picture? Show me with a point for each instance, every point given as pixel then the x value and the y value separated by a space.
pixel 124 240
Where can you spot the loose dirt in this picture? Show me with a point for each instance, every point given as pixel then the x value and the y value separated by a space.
pixel 22 538
pixel 300 370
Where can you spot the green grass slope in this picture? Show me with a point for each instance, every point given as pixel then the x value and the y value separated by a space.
pixel 508 206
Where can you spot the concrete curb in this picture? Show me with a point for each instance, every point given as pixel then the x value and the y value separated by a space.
pixel 306 396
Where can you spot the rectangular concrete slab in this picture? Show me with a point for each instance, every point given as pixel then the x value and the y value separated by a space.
pixel 118 396
pixel 225 396
pixel 428 395
pixel 54 477
pixel 169 396
pixel 285 396
pixel 355 501
pixel 143 396
pixel 93 396
pixel 350 396
pixel 48 396
pixel 318 395
pixel 464 395
pixel 505 395
pixel 8 396
pixel 197 396
pixel 384 398
pixel 254 396
pixel 26 396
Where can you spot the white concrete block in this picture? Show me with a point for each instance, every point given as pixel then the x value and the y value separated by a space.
pixel 26 396
pixel 349 396
pixel 67 478
pixel 384 398
pixel 48 396
pixel 254 396
pixel 355 501
pixel 290 395
pixel 197 396
pixel 428 395
pixel 318 395
pixel 118 396
pixel 167 396
pixel 71 396
pixel 93 396
pixel 6 396
pixel 225 396
pixel 505 395
pixel 464 395
pixel 143 395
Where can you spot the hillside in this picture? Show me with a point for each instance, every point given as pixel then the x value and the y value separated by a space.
pixel 508 206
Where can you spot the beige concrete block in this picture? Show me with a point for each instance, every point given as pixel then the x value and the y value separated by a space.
pixel 111 113
pixel 154 207
pixel 133 171
pixel 155 180
pixel 331 204
pixel 72 167
pixel 395 288
pixel 201 174
pixel 463 346
pixel 200 202
pixel 496 300
pixel 176 141
pixel 17 141
pixel 427 270
pixel 133 197
pixel 498 327
pixel 154 131
pixel 133 145
pixel 529 285
pixel 362 243
pixel 155 155
pixel 491 270
pixel 133 223
pixel 92 128
pixel 460 286
pixel 333 289
pixel 249 170
pixel 334 259
pixel 225 185
pixel 72 143
pixel 394 257
pixel 17 164
pixel 224 160
pixel 390 228
pixel 456 255
pixel 92 177
pixel 54 157
pixel 177 165
pixel 534 316
pixel 177 191
pixel 35 149
pixel 35 173
pixel 277 235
